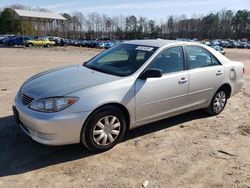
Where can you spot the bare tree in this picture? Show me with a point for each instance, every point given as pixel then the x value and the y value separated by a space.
pixel 223 24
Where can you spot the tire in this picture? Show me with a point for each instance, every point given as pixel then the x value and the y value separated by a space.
pixel 29 45
pixel 103 129
pixel 47 45
pixel 218 102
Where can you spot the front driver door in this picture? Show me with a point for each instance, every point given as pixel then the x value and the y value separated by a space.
pixel 157 98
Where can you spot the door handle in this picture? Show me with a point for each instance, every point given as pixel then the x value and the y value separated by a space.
pixel 219 73
pixel 183 80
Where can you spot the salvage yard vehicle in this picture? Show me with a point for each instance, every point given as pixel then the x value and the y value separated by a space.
pixel 5 37
pixel 41 41
pixel 127 86
pixel 100 45
pixel 58 41
pixel 242 45
pixel 19 40
pixel 219 49
pixel 248 45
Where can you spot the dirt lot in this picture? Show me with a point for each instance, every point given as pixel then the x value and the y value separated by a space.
pixel 190 150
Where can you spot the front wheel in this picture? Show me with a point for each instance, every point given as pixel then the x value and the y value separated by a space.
pixel 104 129
pixel 218 102
pixel 29 45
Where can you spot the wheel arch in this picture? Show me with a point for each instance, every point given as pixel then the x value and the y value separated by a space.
pixel 121 107
pixel 227 88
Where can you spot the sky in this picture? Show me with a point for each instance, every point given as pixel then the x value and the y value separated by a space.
pixel 148 8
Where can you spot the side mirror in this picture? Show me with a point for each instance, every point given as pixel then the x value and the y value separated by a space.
pixel 151 73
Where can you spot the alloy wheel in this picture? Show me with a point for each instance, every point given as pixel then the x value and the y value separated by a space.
pixel 219 101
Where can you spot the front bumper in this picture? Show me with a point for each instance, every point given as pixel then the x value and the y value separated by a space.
pixel 57 128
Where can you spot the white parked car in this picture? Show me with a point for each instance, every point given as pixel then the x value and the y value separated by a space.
pixel 129 85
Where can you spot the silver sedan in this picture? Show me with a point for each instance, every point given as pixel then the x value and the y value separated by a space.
pixel 129 85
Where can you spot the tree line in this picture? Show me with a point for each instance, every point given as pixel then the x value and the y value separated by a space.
pixel 222 24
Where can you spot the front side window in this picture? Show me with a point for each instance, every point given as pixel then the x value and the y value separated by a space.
pixel 169 60
pixel 199 57
pixel 121 60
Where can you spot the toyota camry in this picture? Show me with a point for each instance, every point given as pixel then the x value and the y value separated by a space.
pixel 127 86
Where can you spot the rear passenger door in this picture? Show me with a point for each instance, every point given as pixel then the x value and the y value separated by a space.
pixel 205 74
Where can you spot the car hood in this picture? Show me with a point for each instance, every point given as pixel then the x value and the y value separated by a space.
pixel 63 81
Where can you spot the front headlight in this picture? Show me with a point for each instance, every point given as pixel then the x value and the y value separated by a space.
pixel 53 104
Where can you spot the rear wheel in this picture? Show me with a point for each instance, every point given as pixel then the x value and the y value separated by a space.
pixel 218 102
pixel 104 129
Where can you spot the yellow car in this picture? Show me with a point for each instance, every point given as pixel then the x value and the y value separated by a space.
pixel 40 42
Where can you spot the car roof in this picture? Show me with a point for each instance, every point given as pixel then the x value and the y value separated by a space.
pixel 153 42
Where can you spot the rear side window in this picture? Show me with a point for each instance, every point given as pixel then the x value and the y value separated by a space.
pixel 199 57
pixel 169 60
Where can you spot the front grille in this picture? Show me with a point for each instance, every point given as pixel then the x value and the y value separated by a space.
pixel 26 99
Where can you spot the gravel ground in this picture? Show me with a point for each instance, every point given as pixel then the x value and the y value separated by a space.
pixel 190 150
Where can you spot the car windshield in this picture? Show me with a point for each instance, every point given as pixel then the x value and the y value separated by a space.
pixel 121 60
